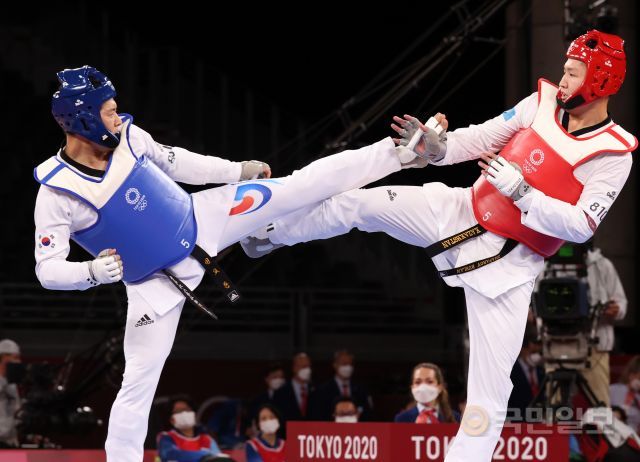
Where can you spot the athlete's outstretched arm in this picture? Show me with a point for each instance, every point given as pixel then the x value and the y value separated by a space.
pixel 189 167
pixel 468 143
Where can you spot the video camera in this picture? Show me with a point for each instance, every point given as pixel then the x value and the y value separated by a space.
pixel 562 304
pixel 47 407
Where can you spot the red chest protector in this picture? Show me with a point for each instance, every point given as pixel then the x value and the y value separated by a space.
pixel 202 441
pixel 547 156
pixel 267 453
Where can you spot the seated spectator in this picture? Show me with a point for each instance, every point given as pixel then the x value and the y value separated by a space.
pixel 266 447
pixel 274 379
pixel 431 396
pixel 527 376
pixel 295 399
pixel 226 422
pixel 9 396
pixel 345 410
pixel 626 393
pixel 186 442
pixel 341 384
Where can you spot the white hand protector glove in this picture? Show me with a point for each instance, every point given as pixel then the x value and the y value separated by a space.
pixel 253 169
pixel 106 268
pixel 431 146
pixel 507 178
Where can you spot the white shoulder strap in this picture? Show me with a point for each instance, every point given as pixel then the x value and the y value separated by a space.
pixel 96 191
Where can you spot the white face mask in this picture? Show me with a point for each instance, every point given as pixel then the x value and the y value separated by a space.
pixel 276 383
pixel 425 393
pixel 304 374
pixel 535 359
pixel 270 426
pixel 346 419
pixel 185 419
pixel 345 371
pixel 635 385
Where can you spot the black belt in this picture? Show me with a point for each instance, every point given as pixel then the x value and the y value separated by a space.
pixel 448 243
pixel 213 269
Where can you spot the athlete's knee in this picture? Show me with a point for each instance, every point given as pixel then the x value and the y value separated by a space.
pixel 368 205
pixel 435 189
pixel 143 370
pixel 350 209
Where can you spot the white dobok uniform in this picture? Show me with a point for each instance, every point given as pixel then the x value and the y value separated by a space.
pixel 155 300
pixel 498 294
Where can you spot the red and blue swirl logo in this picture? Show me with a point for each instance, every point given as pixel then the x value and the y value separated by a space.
pixel 249 198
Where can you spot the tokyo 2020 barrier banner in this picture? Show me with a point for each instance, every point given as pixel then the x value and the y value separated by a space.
pixel 395 442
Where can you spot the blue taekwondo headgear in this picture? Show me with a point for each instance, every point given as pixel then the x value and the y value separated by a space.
pixel 76 105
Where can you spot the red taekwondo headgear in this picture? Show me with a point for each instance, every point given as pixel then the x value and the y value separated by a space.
pixel 606 66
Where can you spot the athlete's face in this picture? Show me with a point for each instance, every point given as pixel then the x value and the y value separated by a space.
pixel 573 76
pixel 110 117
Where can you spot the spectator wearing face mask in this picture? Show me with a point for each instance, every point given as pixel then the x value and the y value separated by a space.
pixel 274 379
pixel 185 442
pixel 527 376
pixel 267 446
pixel 626 393
pixel 345 410
pixel 343 385
pixel 295 399
pixel 9 397
pixel 431 396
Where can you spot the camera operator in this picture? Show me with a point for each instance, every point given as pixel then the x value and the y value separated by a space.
pixel 605 288
pixel 9 398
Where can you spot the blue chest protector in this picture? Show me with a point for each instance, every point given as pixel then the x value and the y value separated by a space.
pixel 142 213
pixel 149 220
